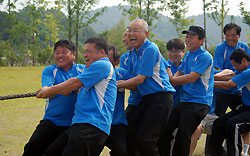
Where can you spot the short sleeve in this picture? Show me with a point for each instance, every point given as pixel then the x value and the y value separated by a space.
pixel 122 74
pixel 203 62
pixel 242 79
pixel 95 73
pixel 219 57
pixel 165 62
pixel 48 76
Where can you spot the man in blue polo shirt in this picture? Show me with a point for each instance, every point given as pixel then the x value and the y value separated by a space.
pixel 231 125
pixel 175 52
pixel 127 62
pixel 230 97
pixel 94 107
pixel 60 109
pixel 117 140
pixel 153 85
pixel 196 74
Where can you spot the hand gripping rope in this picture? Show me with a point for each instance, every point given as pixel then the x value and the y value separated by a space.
pixel 19 96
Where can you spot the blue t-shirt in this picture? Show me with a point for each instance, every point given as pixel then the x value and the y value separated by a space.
pixel 128 62
pixel 242 80
pixel 119 113
pixel 200 91
pixel 96 100
pixel 222 61
pixel 150 63
pixel 60 109
pixel 166 63
pixel 213 105
pixel 178 89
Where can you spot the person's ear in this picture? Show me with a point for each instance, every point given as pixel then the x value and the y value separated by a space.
pixel 103 53
pixel 74 54
pixel 146 34
pixel 244 60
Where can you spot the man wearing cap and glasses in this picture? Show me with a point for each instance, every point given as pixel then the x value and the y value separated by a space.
pixel 196 75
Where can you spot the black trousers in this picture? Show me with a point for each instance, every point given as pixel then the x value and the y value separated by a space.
pixel 223 101
pixel 183 121
pixel 145 123
pixel 79 140
pixel 46 132
pixel 131 112
pixel 117 140
pixel 230 127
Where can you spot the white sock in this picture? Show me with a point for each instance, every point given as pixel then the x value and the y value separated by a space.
pixel 246 148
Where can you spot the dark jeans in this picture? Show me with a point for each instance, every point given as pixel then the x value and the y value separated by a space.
pixel 46 133
pixel 146 126
pixel 78 140
pixel 183 121
pixel 117 140
pixel 230 127
pixel 223 101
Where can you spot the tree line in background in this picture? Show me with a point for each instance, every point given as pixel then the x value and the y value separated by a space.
pixel 27 36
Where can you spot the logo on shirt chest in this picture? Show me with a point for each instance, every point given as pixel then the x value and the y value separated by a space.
pixel 141 53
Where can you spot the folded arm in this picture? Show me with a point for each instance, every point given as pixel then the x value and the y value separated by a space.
pixel 180 79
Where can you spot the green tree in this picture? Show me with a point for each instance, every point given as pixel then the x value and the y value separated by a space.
pixel 245 14
pixel 219 12
pixel 205 8
pixel 52 27
pixel 178 10
pixel 144 9
pixel 78 16
pixel 70 12
pixel 162 47
pixel 35 13
pixel 246 17
pixel 83 18
pixel 15 33
pixel 21 39
pixel 11 21
pixel 114 36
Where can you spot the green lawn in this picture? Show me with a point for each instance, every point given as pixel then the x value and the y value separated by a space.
pixel 19 117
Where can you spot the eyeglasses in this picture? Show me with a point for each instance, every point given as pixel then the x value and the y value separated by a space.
pixel 236 65
pixel 134 30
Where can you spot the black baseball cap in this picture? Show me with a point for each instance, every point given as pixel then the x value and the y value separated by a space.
pixel 195 30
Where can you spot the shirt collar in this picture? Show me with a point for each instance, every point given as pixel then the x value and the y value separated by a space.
pixel 197 51
pixel 142 48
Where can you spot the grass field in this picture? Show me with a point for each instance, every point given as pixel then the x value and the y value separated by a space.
pixel 19 117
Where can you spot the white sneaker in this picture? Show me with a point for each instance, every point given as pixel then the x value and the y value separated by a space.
pixel 244 154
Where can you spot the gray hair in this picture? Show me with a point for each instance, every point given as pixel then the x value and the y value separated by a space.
pixel 142 22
